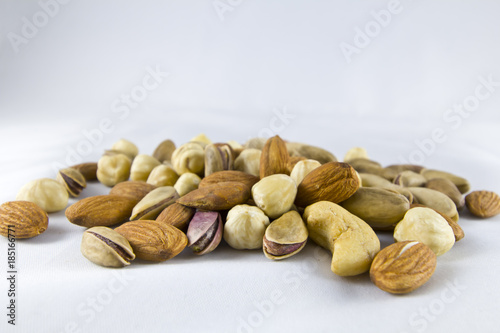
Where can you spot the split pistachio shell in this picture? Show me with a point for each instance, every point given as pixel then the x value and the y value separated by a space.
pixel 436 200
pixel 105 247
pixel 48 194
pixel 142 167
pixel 380 208
pixel 204 232
pixel 245 227
pixel 285 236
pixel 154 203
pixel 218 157
pixel 73 180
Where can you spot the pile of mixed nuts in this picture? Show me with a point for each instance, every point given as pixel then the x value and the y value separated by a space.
pixel 266 194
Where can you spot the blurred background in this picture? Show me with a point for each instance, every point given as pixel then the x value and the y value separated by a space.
pixel 377 74
pixel 411 81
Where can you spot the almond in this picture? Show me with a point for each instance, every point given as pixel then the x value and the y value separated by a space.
pixel 333 181
pixel 229 176
pixel 483 203
pixel 274 157
pixel 100 210
pixel 88 170
pixel 403 267
pixel 135 190
pixel 22 219
pixel 176 215
pixel 153 241
pixel 221 196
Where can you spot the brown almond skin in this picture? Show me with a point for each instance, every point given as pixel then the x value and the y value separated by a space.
pixel 153 241
pixel 274 157
pixel 177 215
pixel 333 181
pixel 100 210
pixel 221 196
pixel 135 190
pixel 402 273
pixel 24 219
pixel 483 203
pixel 229 176
pixel 457 229
pixel 88 170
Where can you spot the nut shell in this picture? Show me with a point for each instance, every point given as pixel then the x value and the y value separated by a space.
pixel 73 180
pixel 403 267
pixel 285 236
pixel 105 247
pixel 24 219
pixel 154 203
pixel 380 208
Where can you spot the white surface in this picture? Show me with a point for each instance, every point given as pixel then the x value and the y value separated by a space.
pixel 230 78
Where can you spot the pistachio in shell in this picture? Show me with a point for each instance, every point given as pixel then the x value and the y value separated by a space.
pixel 105 247
pixel 285 236
pixel 154 203
pixel 204 232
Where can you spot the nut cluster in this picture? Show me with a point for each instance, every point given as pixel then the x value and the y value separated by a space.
pixel 265 194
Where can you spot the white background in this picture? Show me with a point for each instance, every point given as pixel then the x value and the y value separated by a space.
pixel 233 66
